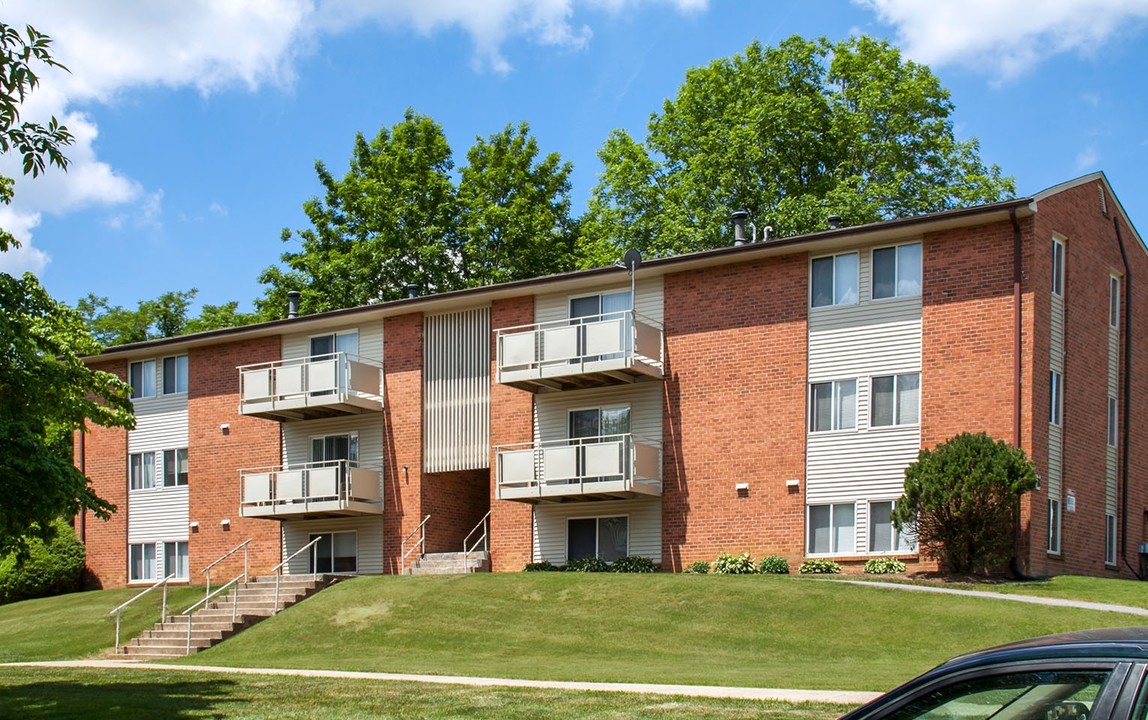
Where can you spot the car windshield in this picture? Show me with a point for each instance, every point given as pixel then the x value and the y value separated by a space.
pixel 1050 695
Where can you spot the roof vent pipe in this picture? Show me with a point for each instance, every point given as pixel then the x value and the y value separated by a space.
pixel 412 291
pixel 834 222
pixel 292 304
pixel 739 217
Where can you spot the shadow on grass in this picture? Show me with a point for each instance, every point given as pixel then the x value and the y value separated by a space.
pixel 208 698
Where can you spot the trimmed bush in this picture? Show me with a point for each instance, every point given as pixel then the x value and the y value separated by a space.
pixel 698 567
pixel 634 564
pixel 735 565
pixel 587 564
pixel 819 567
pixel 544 566
pixel 773 565
pixel 52 568
pixel 884 566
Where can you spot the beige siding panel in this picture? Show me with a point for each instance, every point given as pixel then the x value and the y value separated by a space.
pixel 1111 462
pixel 1113 361
pixel 161 424
pixel 874 339
pixel 456 377
pixel 1056 339
pixel 645 401
pixel 157 514
pixel 645 524
pixel 369 532
pixel 555 307
pixel 370 341
pixel 842 467
pixel 369 426
pixel 1055 459
pixel 1110 481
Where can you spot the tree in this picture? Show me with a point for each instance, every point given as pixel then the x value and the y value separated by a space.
pixel 961 498
pixel 794 133
pixel 165 316
pixel 218 317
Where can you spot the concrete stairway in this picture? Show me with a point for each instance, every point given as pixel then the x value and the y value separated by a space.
pixel 451 563
pixel 214 623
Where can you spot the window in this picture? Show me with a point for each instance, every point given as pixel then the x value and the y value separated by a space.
pixel 605 307
pixel 1054 526
pixel 897 271
pixel 1113 301
pixel 344 342
pixel 883 537
pixel 834 280
pixel 1109 539
pixel 142 561
pixel 831 529
pixel 895 400
pixel 1039 693
pixel 141 376
pixel 336 552
pixel 1057 268
pixel 141 470
pixel 335 447
pixel 1112 422
pixel 1056 397
pixel 175 560
pixel 833 405
pixel 604 537
pixel 175 467
pixel 175 374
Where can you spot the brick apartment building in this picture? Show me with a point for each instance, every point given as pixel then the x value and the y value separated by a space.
pixel 763 397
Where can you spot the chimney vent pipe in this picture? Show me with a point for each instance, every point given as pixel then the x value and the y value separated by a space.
pixel 412 291
pixel 834 222
pixel 739 217
pixel 293 303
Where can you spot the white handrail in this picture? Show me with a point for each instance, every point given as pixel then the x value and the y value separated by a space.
pixel 163 611
pixel 234 605
pixel 207 570
pixel 422 543
pixel 278 569
pixel 467 548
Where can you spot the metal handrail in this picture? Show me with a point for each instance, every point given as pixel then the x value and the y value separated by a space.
pixel 278 569
pixel 583 320
pixel 163 612
pixel 467 548
pixel 234 604
pixel 421 543
pixel 207 570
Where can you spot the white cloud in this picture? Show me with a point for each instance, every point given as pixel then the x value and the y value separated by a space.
pixel 217 208
pixel 1087 159
pixel 1005 39
pixel 17 261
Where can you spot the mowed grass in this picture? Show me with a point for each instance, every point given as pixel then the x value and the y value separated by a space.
pixel 59 693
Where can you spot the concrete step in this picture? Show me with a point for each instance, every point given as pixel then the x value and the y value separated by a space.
pixel 452 563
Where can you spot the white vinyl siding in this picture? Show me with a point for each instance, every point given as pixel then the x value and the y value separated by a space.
pixel 456 391
pixel 1056 379
pixel 644 400
pixel 158 513
pixel 645 526
pixel 648 303
pixel 369 539
pixel 298 346
pixel 297 438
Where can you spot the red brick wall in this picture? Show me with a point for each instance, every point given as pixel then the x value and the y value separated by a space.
pixel 736 359
pixel 402 434
pixel 214 460
pixel 511 421
pixel 105 453
pixel 456 502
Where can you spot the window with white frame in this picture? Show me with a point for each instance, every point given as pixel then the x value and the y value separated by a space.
pixel 141 377
pixel 141 471
pixel 175 374
pixel 833 405
pixel 897 271
pixel 1111 434
pixel 895 400
pixel 1057 267
pixel 604 537
pixel 175 467
pixel 175 559
pixel 141 562
pixel 1054 526
pixel 831 529
pixel 883 535
pixel 1109 539
pixel 833 280
pixel 1055 397
pixel 1113 301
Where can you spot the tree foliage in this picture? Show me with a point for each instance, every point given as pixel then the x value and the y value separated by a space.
pixel 961 499
pixel 794 133
pixel 165 316
pixel 52 567
pixel 398 218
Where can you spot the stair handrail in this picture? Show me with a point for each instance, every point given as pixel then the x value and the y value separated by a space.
pixel 468 548
pixel 278 570
pixel 234 604
pixel 422 543
pixel 241 546
pixel 119 609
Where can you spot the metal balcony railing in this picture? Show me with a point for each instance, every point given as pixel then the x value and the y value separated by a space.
pixel 334 487
pixel 315 386
pixel 620 466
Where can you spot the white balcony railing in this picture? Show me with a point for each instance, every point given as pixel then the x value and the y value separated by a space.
pixel 335 487
pixel 610 465
pixel 329 384
pixel 610 348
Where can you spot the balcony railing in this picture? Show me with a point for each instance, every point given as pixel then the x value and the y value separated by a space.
pixel 318 386
pixel 320 489
pixel 610 466
pixel 607 349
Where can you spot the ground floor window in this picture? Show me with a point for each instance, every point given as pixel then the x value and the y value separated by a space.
pixel 175 560
pixel 141 562
pixel 1054 526
pixel 1109 539
pixel 883 536
pixel 336 552
pixel 831 529
pixel 604 537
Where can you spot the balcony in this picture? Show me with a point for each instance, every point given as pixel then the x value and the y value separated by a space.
pixel 610 467
pixel 610 349
pixel 313 387
pixel 336 488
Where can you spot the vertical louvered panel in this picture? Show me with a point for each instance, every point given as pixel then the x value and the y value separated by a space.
pixel 456 378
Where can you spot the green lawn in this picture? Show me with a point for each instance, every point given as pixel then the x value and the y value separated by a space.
pixel 1074 587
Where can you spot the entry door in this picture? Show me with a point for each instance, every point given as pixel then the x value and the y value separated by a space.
pixel 599 425
pixel 336 552
pixel 595 308
pixel 331 449
pixel 324 347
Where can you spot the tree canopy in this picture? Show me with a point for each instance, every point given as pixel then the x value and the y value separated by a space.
pixel 793 133
pixel 165 316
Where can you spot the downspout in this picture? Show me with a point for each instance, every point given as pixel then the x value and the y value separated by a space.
pixel 1017 276
pixel 82 529
pixel 1127 399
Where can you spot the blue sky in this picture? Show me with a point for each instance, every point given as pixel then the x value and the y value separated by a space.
pixel 198 123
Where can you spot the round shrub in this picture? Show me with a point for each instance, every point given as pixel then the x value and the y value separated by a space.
pixel 819 567
pixel 587 564
pixel 884 566
pixel 698 567
pixel 544 566
pixel 634 564
pixel 735 565
pixel 773 565
pixel 53 568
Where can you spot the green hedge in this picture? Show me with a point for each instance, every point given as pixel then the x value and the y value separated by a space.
pixel 54 568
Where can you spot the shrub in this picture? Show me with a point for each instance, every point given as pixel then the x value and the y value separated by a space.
pixel 52 568
pixel 587 564
pixel 734 565
pixel 884 566
pixel 773 565
pixel 544 566
pixel 819 567
pixel 698 567
pixel 634 564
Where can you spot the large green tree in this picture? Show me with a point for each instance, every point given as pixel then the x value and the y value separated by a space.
pixel 165 316
pixel 793 133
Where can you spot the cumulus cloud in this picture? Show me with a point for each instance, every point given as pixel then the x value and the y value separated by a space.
pixel 1004 39
pixel 1087 159
pixel 25 258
